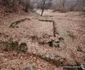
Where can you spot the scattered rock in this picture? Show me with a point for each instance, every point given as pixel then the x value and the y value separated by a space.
pixel 61 39
pixel 23 47
pixel 31 67
pixel 46 36
pixel 54 42
pixel 79 49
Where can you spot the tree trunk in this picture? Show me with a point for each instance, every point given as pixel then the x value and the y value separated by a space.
pixel 27 5
pixel 43 7
pixel 42 12
pixel 26 8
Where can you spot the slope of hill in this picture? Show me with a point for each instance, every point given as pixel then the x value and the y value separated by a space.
pixel 45 52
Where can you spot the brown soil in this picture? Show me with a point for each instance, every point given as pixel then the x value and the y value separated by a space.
pixel 70 26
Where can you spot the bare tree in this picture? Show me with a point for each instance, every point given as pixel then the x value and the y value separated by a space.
pixel 72 7
pixel 79 5
pixel 43 6
pixel 59 5
pixel 5 2
pixel 27 6
pixel 63 5
pixel 20 1
pixel 84 3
